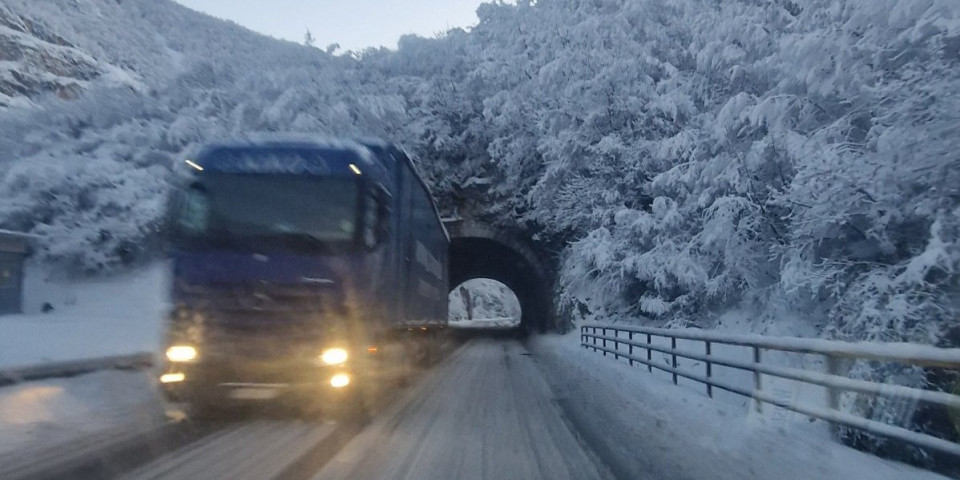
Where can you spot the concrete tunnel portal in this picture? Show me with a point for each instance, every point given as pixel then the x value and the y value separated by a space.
pixel 478 251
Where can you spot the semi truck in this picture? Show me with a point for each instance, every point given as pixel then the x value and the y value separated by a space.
pixel 309 273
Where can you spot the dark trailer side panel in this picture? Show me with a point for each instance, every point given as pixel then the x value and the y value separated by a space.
pixel 420 242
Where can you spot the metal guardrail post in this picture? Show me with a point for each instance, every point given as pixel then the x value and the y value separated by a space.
pixel 709 370
pixel 757 387
pixel 833 394
pixel 649 355
pixel 604 341
pixel 630 338
pixel 616 344
pixel 673 346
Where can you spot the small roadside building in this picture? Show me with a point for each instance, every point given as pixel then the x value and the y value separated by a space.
pixel 14 249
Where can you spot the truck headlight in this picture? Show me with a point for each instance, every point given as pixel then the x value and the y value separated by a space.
pixel 333 356
pixel 181 353
pixel 340 380
pixel 172 377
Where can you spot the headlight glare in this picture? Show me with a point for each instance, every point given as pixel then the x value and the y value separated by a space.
pixel 340 380
pixel 172 377
pixel 181 353
pixel 333 356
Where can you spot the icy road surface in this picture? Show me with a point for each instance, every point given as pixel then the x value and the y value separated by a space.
pixel 485 413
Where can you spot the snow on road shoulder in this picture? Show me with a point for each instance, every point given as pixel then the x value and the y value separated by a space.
pixel 50 412
pixel 93 318
pixel 642 423
pixel 485 323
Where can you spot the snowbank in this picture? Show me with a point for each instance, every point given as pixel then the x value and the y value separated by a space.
pixel 107 316
pixel 44 413
pixel 643 423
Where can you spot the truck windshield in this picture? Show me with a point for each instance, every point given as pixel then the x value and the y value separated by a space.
pixel 281 210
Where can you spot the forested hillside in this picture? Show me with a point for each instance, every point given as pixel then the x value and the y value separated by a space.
pixel 787 158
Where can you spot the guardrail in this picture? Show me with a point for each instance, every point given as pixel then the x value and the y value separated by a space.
pixel 615 339
pixel 75 367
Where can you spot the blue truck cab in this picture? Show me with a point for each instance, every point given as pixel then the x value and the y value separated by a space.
pixel 304 271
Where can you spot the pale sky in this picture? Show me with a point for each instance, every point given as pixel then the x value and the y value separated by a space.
pixel 354 24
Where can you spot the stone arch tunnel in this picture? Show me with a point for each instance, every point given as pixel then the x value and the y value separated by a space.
pixel 480 250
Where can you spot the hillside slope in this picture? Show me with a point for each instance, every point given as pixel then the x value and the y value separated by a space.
pixel 153 41
pixel 34 61
pixel 111 96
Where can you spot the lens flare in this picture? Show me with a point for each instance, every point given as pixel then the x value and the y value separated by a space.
pixel 334 356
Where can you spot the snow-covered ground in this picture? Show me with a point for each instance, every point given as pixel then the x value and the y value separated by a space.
pixel 50 412
pixel 499 409
pixel 90 318
pixel 93 318
pixel 641 422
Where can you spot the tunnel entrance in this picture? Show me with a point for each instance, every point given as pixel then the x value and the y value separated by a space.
pixel 483 303
pixel 480 257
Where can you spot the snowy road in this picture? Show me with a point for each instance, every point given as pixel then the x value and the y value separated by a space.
pixel 260 449
pixel 490 410
pixel 485 413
